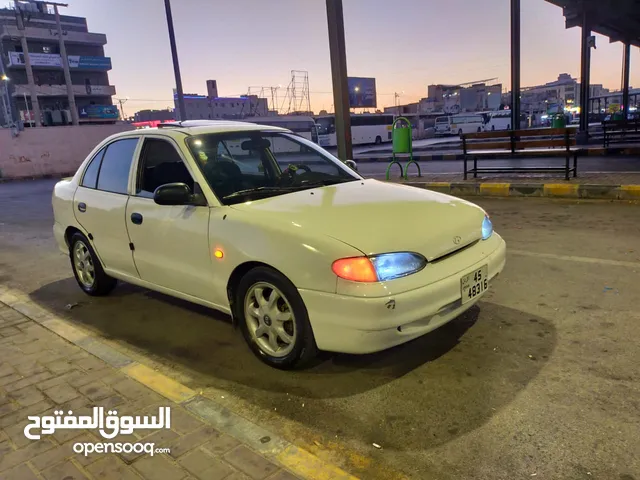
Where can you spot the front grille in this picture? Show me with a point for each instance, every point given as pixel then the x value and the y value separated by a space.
pixel 454 252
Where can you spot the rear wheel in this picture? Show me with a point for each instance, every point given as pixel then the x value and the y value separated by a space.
pixel 274 319
pixel 87 267
pixel 460 133
pixel 378 140
pixel 479 129
pixel 493 128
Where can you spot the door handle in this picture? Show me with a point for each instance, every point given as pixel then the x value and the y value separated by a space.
pixel 82 207
pixel 136 218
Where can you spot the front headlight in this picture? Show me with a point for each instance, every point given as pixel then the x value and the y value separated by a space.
pixel 487 228
pixel 379 268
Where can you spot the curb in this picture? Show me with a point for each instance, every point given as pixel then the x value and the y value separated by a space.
pixel 555 190
pixel 45 176
pixel 297 460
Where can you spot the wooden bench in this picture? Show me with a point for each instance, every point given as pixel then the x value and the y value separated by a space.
pixel 621 131
pixel 547 142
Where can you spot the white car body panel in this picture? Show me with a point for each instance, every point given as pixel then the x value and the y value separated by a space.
pixel 300 234
pixel 172 247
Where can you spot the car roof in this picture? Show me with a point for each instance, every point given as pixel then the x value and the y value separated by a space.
pixel 200 127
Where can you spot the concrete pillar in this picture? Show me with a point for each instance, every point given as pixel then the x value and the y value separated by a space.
pixel 515 64
pixel 337 50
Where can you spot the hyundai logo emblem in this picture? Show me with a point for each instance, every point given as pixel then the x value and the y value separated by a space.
pixel 457 240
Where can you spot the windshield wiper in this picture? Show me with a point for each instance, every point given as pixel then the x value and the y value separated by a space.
pixel 249 191
pixel 327 182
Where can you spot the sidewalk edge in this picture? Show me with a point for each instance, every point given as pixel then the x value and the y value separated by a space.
pixel 552 190
pixel 275 448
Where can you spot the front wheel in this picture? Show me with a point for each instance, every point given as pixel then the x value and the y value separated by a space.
pixel 460 133
pixel 274 319
pixel 87 267
pixel 378 140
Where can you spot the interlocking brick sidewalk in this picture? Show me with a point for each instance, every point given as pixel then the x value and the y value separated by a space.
pixel 41 372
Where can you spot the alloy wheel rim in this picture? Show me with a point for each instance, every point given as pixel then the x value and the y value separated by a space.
pixel 270 319
pixel 83 264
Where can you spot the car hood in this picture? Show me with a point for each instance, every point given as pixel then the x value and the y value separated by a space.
pixel 377 217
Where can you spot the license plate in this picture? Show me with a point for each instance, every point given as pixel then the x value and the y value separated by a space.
pixel 474 284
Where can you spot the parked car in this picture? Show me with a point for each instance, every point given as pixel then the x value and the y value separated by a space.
pixel 255 221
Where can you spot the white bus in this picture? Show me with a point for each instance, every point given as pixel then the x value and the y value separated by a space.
pixel 365 128
pixel 501 120
pixel 303 126
pixel 459 124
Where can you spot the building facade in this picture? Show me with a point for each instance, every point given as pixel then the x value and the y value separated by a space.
pixel 34 22
pixel 563 93
pixel 452 99
pixel 214 107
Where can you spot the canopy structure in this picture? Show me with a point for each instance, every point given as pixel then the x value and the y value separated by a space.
pixel 617 19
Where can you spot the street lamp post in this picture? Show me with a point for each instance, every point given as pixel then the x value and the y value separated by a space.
pixel 6 104
pixel 176 65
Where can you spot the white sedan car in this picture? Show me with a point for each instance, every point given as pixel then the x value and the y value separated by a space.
pixel 257 222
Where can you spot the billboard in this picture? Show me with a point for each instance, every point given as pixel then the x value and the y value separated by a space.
pixel 99 111
pixel 362 92
pixel 55 61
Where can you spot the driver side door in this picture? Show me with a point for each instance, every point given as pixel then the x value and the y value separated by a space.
pixel 170 243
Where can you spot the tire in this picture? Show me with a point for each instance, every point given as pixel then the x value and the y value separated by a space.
pixel 460 133
pixel 508 127
pixel 493 128
pixel 99 283
pixel 263 282
pixel 479 129
pixel 378 140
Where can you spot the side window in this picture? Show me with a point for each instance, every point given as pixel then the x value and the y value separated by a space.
pixel 160 164
pixel 90 178
pixel 116 163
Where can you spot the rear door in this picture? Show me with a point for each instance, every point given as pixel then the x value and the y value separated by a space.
pixel 100 204
pixel 170 242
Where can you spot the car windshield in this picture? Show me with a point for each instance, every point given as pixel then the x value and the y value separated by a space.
pixel 242 166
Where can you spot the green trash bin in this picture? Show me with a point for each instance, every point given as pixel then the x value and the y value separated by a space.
pixel 559 121
pixel 401 136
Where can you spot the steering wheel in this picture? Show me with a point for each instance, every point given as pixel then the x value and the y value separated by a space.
pixel 292 171
pixel 293 168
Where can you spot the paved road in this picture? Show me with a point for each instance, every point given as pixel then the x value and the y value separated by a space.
pixel 588 164
pixel 541 379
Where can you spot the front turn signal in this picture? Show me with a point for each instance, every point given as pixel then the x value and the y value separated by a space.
pixel 356 269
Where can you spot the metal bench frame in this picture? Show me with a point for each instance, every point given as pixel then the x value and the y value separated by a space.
pixel 511 144
pixel 620 131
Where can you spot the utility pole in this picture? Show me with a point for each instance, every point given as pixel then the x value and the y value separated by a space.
pixel 122 101
pixel 27 64
pixel 65 65
pixel 176 65
pixel 337 50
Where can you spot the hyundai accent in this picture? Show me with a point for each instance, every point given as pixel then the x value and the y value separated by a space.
pixel 303 252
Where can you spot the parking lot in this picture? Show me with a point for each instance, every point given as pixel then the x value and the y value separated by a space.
pixel 539 381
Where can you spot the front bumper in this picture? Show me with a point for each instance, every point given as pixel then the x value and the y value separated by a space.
pixel 359 325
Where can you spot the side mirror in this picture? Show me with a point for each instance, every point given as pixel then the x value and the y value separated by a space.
pixel 173 194
pixel 351 164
